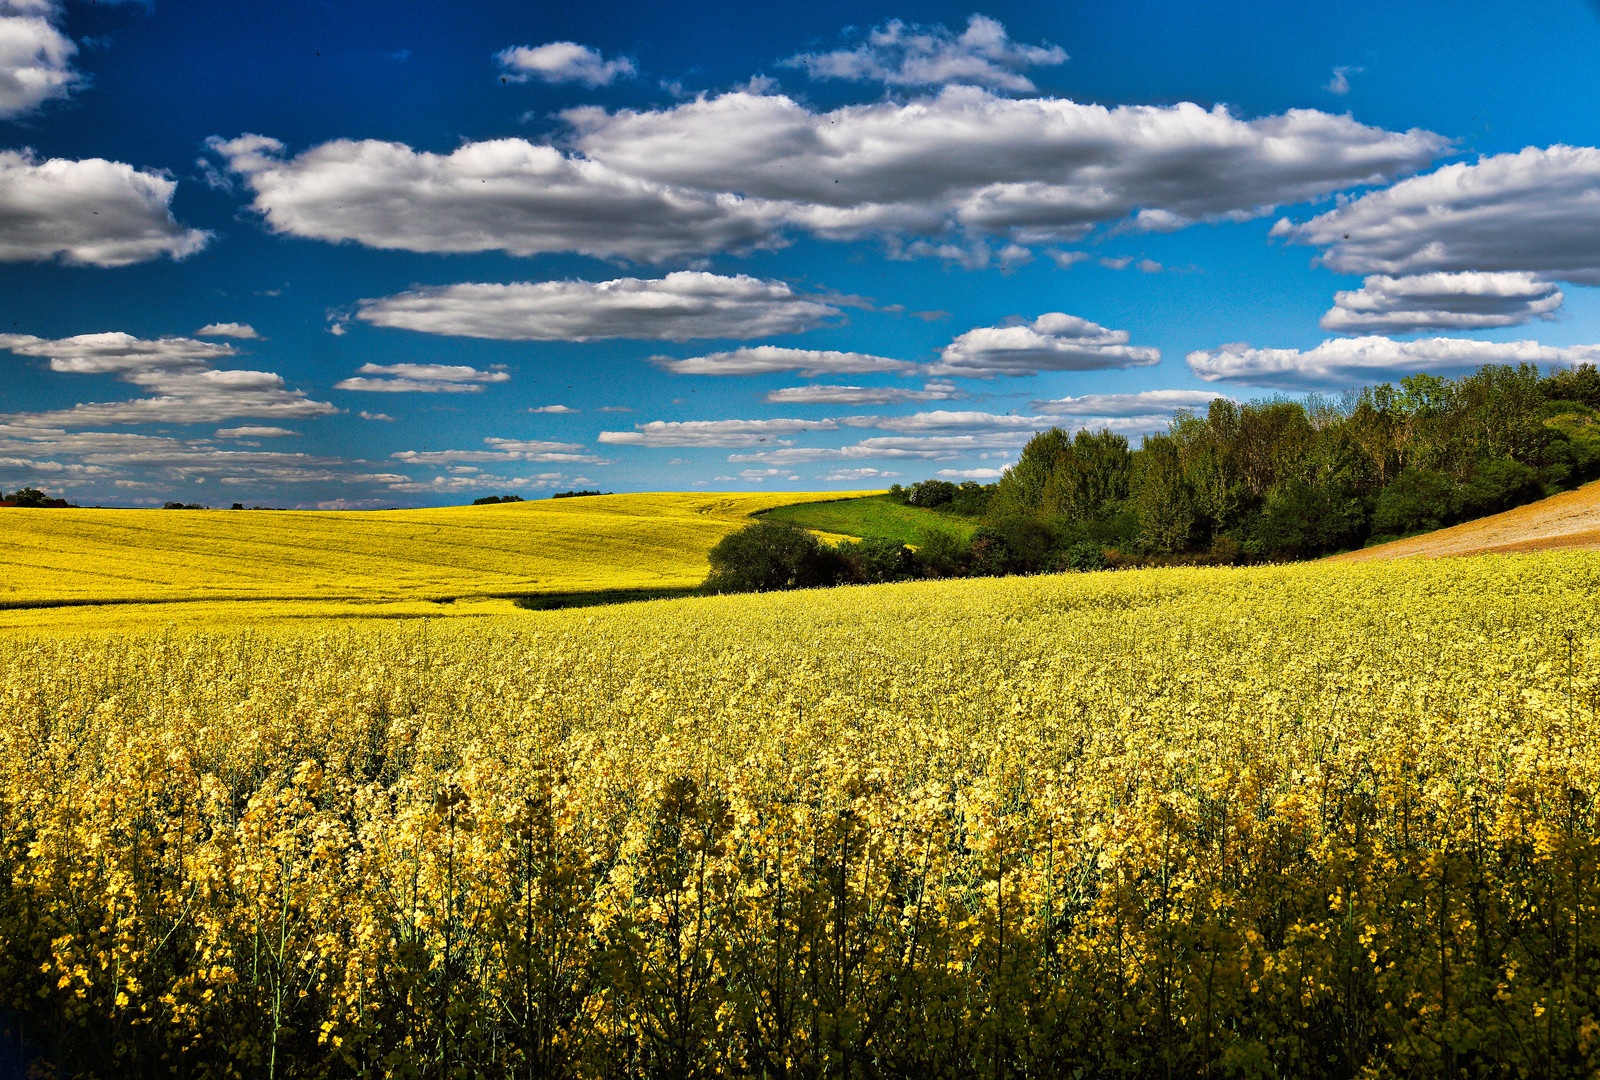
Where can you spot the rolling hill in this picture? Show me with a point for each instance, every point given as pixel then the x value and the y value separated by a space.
pixel 1569 521
pixel 124 567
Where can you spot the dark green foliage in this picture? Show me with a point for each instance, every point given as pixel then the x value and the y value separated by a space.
pixel 1083 555
pixel 1580 384
pixel 33 497
pixel 1301 520
pixel 770 555
pixel 943 555
pixel 930 493
pixel 181 506
pixel 565 495
pixel 1419 500
pixel 972 498
pixel 1498 484
pixel 490 500
pixel 871 562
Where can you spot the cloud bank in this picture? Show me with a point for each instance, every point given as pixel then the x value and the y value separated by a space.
pixel 1342 362
pixel 420 379
pixel 682 305
pixel 1465 301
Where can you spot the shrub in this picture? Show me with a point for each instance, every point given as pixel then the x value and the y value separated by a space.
pixel 490 500
pixel 1082 556
pixel 1419 500
pixel 931 493
pixel 770 555
pixel 872 561
pixel 943 554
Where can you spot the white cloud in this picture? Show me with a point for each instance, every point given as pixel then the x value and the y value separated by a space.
pixel 92 212
pixel 562 62
pixel 946 420
pixel 176 375
pixel 682 305
pixel 897 447
pixel 971 474
pixel 420 379
pixel 1440 301
pixel 227 329
pixel 1144 403
pixel 1036 170
pixel 454 484
pixel 900 55
pixel 375 416
pixel 1342 362
pixel 98 354
pixel 766 359
pixel 1340 83
pixel 860 395
pixel 712 432
pixel 1536 211
pixel 1052 342
pixel 253 432
pixel 553 409
pixel 503 450
pixel 501 195
pixel 35 59
pixel 1067 259
pixel 741 170
pixel 838 475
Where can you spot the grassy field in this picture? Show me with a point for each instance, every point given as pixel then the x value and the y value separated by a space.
pixel 1325 820
pixel 127 568
pixel 878 516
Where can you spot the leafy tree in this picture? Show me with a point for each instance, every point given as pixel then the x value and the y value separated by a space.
pixel 872 561
pixel 33 497
pixel 972 499
pixel 767 556
pixel 931 493
pixel 943 554
pixel 1301 520
pixel 1419 500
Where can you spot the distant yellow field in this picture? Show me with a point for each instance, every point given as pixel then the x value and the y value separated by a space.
pixel 71 568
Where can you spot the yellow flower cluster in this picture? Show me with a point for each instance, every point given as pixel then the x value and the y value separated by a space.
pixel 1311 821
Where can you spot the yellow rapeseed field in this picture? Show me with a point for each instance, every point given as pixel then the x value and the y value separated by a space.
pixel 1328 820
pixel 95 569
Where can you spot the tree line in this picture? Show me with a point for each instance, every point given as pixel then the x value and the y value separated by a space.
pixel 1270 479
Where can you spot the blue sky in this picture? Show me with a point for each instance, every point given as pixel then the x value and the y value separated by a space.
pixel 360 254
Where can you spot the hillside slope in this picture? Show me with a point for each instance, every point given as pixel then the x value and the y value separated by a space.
pixel 1569 521
pixel 304 561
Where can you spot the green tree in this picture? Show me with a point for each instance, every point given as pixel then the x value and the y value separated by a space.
pixel 767 556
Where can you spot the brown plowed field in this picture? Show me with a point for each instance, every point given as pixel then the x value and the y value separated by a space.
pixel 1569 521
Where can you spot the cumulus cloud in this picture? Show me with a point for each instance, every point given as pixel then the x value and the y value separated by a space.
pixel 35 58
pixel 253 432
pixel 92 212
pixel 743 170
pixel 501 195
pixel 375 416
pixel 1537 211
pixel 898 54
pixel 948 420
pixel 838 475
pixel 503 450
pixel 227 329
pixel 175 373
pixel 1052 342
pixel 1440 301
pixel 861 395
pixel 682 305
pixel 1352 361
pixel 712 432
pixel 420 379
pixel 562 62
pixel 766 359
pixel 1144 403
pixel 895 447
pixel 971 474
pixel 1036 170
pixel 553 409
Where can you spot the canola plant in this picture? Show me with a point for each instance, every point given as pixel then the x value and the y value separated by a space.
pixel 1312 821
